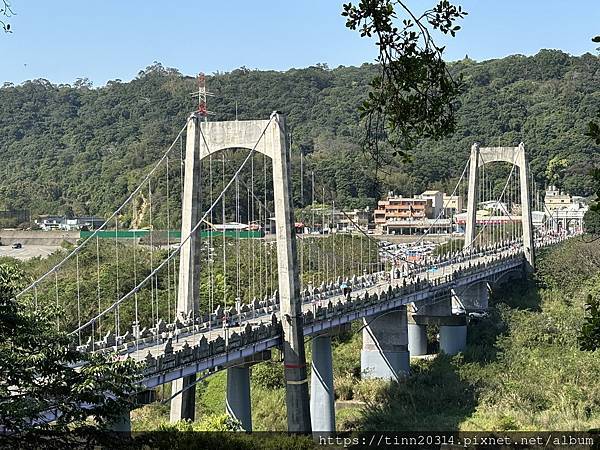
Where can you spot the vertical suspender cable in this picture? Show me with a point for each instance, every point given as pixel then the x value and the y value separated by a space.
pixel 168 248
pixel 223 241
pixel 98 284
pixel 78 297
pixel 57 301
pixel 117 309
pixel 253 245
pixel 323 241
pixel 210 251
pixel 135 296
pixel 237 234
pixel 267 221
pixel 151 232
pixel 331 228
pixel 313 226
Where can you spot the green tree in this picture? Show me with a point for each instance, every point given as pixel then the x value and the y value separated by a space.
pixel 592 220
pixel 589 339
pixel 594 127
pixel 38 374
pixel 555 170
pixel 590 332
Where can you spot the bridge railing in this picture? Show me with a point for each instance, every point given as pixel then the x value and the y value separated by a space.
pixel 251 335
pixel 187 326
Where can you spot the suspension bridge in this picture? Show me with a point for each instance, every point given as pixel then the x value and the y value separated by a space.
pixel 228 287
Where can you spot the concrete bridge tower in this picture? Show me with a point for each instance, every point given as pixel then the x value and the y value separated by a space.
pixel 266 137
pixel 517 157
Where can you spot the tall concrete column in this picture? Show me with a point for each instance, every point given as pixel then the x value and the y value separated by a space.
pixel 297 400
pixel 472 200
pixel 238 402
pixel 417 338
pixel 322 396
pixel 183 405
pixel 526 220
pixel 122 423
pixel 385 346
pixel 453 337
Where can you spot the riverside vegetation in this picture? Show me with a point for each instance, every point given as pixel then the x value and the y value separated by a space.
pixel 522 369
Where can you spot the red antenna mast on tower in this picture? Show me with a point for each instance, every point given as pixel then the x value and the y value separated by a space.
pixel 202 94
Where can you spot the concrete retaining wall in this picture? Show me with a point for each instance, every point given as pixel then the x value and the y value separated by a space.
pixel 37 237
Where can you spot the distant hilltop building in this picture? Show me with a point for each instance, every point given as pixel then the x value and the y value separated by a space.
pixel 556 199
pixel 49 223
pixel 565 212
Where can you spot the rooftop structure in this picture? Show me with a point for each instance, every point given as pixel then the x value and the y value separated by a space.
pixel 556 199
pixel 50 222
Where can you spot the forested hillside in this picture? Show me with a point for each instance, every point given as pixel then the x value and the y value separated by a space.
pixel 83 148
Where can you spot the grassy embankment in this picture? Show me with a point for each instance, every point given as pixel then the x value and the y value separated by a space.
pixel 522 369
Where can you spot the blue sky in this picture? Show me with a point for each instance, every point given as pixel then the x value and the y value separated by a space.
pixel 62 40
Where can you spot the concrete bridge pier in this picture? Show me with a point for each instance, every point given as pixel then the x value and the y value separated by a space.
pixel 183 406
pixel 322 396
pixel 385 346
pixel 122 423
pixel 238 403
pixel 453 334
pixel 417 337
pixel 453 327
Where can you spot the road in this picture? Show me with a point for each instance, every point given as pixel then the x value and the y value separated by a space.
pixel 382 285
pixel 28 251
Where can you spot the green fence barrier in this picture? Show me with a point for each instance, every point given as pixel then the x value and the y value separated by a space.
pixel 163 234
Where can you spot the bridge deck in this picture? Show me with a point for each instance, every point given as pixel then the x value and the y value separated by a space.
pixel 441 280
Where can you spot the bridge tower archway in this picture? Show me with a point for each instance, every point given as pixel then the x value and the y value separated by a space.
pixel 513 155
pixel 269 138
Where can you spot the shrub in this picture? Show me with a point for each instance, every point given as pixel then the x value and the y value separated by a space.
pixel 268 375
pixel 217 422
pixel 344 387
pixel 374 390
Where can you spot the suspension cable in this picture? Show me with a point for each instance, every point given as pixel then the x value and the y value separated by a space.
pixel 112 216
pixel 183 240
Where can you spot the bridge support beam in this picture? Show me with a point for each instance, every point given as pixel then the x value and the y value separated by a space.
pixel 238 404
pixel 417 338
pixel 472 200
pixel 322 396
pixel 474 297
pixel 297 399
pixel 385 346
pixel 122 423
pixel 183 406
pixel 453 334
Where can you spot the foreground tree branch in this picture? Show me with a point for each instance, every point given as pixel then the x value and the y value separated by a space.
pixel 414 95
pixel 6 12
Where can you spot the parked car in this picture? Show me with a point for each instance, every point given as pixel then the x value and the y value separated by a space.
pixel 17 245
